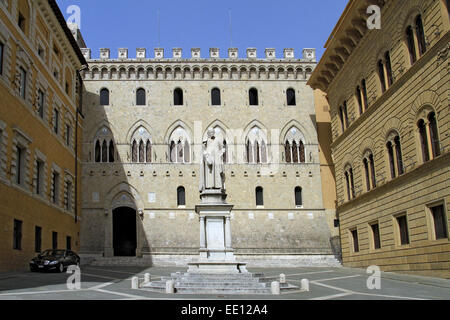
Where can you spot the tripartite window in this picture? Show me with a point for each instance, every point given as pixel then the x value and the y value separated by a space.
pixel 104 97
pixel 181 196
pixel 178 97
pixel 253 96
pixel 215 97
pixel 439 222
pixel 259 193
pixel 179 146
pixel 256 147
pixel 140 97
pixel 402 225
pixel 290 95
pixel 104 150
pixel 17 236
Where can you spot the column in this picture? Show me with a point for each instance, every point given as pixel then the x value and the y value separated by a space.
pixel 429 140
pixel 227 233
pixel 202 233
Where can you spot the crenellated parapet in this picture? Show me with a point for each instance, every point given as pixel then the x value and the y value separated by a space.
pixel 214 67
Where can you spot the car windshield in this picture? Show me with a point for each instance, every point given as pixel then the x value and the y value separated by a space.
pixel 53 253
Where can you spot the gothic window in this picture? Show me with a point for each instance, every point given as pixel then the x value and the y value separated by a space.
pixel 259 196
pixel 411 45
pixel 298 197
pixel 348 173
pixel 178 97
pixel 104 150
pixel 140 97
pixel 104 97
pixel 256 146
pixel 290 95
pixel 420 35
pixel 181 196
pixel 215 97
pixel 253 96
pixel 180 149
pixel 294 147
pixel 141 146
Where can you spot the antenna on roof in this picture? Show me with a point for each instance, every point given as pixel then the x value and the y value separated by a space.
pixel 231 28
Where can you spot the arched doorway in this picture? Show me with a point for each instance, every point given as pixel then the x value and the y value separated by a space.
pixel 124 232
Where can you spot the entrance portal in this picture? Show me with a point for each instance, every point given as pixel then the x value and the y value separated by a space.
pixel 124 232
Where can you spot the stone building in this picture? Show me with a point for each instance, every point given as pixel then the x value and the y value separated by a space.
pixel 39 126
pixel 145 122
pixel 388 90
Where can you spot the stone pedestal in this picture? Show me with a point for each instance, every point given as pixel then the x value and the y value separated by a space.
pixel 216 252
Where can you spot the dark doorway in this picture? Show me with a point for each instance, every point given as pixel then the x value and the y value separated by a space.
pixel 124 232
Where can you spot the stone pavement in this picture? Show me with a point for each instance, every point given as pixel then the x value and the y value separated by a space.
pixel 114 283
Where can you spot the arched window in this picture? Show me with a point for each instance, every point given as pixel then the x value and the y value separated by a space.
pixel 148 152
pixel 411 45
pixel 369 169
pixel 423 140
pixel 349 182
pixel 294 147
pixel 395 157
pixel 298 197
pixel 420 36
pixel 259 196
pixel 381 75
pixel 181 196
pixel 343 115
pixel 111 151
pixel 104 150
pixel 253 96
pixel 140 97
pixel 290 95
pixel 359 98
pixel 104 97
pixel 178 97
pixel 98 152
pixel 435 144
pixel 387 58
pixel 215 97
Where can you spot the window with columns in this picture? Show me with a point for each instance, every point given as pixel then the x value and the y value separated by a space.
pixel 369 170
pixel 343 116
pixel 141 146
pixel 294 146
pixel 428 135
pixel 349 181
pixel 256 146
pixel 179 146
pixel 394 151
pixel 415 39
pixel 104 150
pixel 385 72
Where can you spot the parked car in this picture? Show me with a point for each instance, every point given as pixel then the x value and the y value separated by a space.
pixel 54 260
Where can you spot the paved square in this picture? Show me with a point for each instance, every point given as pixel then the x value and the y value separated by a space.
pixel 114 283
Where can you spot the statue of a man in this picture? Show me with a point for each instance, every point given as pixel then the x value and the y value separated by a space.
pixel 212 174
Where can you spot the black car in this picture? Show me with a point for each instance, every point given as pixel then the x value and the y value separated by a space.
pixel 54 260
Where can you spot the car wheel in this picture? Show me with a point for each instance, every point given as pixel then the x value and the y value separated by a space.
pixel 61 268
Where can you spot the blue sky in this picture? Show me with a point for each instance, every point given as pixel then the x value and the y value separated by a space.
pixel 205 24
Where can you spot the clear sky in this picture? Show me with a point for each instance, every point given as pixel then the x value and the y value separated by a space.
pixel 205 24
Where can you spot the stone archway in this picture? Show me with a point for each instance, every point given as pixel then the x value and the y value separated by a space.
pixel 124 232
